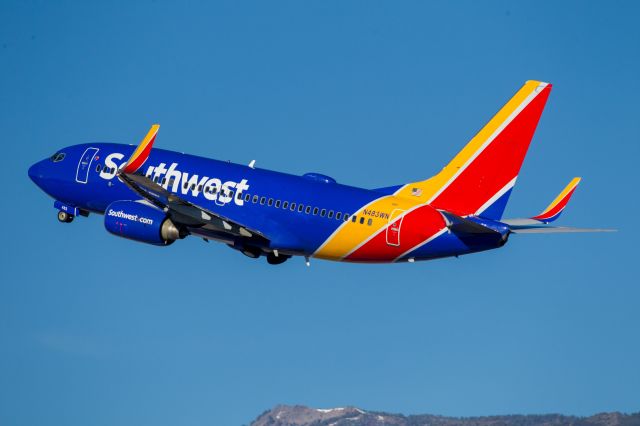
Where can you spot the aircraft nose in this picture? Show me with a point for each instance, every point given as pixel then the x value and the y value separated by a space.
pixel 36 173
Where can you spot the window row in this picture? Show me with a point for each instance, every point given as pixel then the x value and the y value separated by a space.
pixel 300 208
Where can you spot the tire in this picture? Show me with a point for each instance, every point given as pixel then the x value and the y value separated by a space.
pixel 64 217
pixel 273 260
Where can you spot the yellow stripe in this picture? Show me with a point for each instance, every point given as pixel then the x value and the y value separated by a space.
pixel 432 185
pixel 574 182
pixel 351 235
pixel 147 139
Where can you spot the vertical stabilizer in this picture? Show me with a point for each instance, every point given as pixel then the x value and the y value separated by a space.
pixel 479 179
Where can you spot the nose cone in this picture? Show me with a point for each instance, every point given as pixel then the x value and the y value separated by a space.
pixel 42 175
pixel 36 173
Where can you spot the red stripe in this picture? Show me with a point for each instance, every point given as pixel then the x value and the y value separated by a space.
pixel 417 226
pixel 496 166
pixel 557 208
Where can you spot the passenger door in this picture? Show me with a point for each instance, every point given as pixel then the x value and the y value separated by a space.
pixel 84 165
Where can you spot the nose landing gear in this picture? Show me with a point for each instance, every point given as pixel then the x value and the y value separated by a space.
pixel 66 213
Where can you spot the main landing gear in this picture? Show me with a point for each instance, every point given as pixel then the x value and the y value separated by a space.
pixel 275 258
pixel 65 217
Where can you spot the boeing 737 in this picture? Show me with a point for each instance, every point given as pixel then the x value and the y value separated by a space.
pixel 157 196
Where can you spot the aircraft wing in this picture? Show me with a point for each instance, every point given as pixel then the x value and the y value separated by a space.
pixel 197 219
pixel 184 211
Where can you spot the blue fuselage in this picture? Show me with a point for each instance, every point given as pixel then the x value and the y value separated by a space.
pixel 297 214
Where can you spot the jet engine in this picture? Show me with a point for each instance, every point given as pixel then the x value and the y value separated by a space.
pixel 142 222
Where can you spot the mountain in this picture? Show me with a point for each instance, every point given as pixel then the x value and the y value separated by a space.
pixel 286 415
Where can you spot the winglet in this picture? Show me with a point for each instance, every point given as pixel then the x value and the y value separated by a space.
pixel 553 211
pixel 141 153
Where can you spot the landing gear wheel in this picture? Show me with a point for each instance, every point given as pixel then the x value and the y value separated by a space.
pixel 65 217
pixel 252 252
pixel 272 259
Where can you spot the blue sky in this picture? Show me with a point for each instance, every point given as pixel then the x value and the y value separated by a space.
pixel 99 330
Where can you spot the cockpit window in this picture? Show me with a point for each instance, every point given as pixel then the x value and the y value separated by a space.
pixel 58 156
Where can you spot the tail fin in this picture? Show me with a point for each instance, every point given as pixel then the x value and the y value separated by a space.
pixel 479 179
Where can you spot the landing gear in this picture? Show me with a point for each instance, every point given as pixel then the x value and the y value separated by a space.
pixel 272 259
pixel 65 217
pixel 252 252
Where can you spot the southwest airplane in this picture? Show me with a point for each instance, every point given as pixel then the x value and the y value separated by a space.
pixel 158 197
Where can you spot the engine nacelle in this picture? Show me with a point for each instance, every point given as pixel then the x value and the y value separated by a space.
pixel 140 222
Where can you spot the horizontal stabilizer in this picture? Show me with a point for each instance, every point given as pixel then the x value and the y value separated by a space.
pixel 551 213
pixel 555 230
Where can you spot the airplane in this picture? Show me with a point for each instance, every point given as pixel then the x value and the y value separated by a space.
pixel 157 197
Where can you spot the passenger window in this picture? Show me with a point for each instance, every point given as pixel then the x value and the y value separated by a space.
pixel 300 208
pixel 263 200
pixel 285 204
pixel 330 215
pixel 185 185
pixel 193 186
pixel 346 217
pixel 230 194
pixel 247 197
pixel 200 188
pixel 369 222
pixel 270 202
pixel 354 218
pixel 98 168
pixel 315 211
pixel 338 216
pixel 323 212
pixel 255 199
pixel 307 210
pixel 277 204
pixel 293 207
pixel 164 180
pixel 361 220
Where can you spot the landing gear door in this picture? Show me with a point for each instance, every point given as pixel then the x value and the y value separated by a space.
pixel 393 230
pixel 84 165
